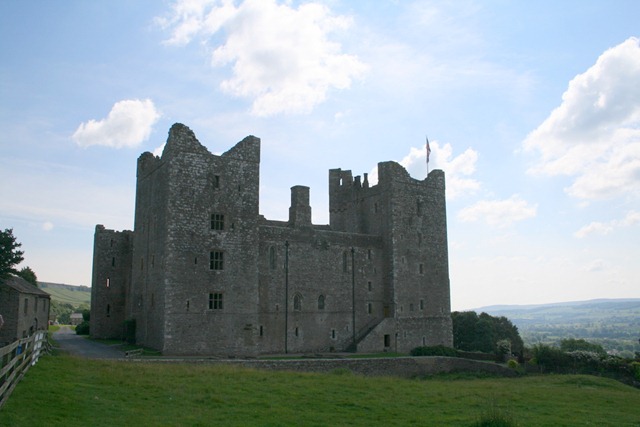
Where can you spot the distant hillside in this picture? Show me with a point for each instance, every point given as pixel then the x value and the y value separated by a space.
pixel 69 294
pixel 613 323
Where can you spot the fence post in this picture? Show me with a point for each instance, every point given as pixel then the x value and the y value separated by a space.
pixel 16 359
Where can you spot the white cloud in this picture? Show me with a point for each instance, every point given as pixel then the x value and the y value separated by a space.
pixel 499 213
pixel 158 151
pixel 457 169
pixel 605 228
pixel 282 57
pixel 128 124
pixel 47 226
pixel 594 135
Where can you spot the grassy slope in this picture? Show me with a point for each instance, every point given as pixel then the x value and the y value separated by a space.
pixel 66 295
pixel 61 390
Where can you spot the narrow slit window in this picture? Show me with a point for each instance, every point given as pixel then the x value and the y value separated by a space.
pixel 272 258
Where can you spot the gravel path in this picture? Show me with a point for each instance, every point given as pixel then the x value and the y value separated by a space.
pixel 83 347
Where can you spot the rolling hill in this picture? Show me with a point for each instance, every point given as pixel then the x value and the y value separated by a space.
pixel 613 323
pixel 69 294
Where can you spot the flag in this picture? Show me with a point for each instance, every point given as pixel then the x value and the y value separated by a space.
pixel 428 150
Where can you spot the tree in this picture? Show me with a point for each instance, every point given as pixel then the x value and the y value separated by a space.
pixel 10 256
pixel 473 332
pixel 572 344
pixel 29 275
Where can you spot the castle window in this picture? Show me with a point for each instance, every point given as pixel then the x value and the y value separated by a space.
pixel 272 258
pixel 111 243
pixel 108 310
pixel 321 302
pixel 113 261
pixel 217 221
pixel 296 331
pixel 216 181
pixel 216 260
pixel 297 302
pixel 421 268
pixel 387 340
pixel 369 286
pixel 26 305
pixel 215 301
pixel 108 282
pixel 345 265
pixel 333 334
pixel 261 330
pixel 369 308
pixel 421 304
pixel 375 207
pixel 411 307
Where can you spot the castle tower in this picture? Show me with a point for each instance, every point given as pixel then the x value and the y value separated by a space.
pixel 195 247
pixel 410 217
pixel 110 282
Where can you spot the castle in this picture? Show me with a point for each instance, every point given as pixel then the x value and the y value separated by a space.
pixel 203 273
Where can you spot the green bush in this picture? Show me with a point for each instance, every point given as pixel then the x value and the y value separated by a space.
pixel 83 328
pixel 550 358
pixel 494 417
pixel 513 364
pixel 635 368
pixel 437 350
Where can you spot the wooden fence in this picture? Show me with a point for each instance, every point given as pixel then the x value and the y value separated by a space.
pixel 16 359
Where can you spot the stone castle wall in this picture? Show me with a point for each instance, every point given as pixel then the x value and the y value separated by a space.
pixel 209 275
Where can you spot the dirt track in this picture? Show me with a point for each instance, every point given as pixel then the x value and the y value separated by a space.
pixel 78 345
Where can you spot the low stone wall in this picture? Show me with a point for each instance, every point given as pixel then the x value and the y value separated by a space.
pixel 406 367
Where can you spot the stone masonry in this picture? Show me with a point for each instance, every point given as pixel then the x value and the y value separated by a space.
pixel 203 273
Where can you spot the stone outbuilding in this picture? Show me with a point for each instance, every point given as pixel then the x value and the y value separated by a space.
pixel 24 309
pixel 76 318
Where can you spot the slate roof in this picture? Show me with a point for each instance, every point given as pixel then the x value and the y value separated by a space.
pixel 22 286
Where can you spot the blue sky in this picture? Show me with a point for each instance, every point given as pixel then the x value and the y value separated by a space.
pixel 532 110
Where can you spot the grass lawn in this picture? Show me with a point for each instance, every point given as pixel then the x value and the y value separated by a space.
pixel 65 391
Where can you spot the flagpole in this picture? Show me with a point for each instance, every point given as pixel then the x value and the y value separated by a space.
pixel 428 148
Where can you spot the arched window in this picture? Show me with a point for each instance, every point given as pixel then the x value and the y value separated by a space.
pixel 321 302
pixel 108 310
pixel 272 258
pixel 297 302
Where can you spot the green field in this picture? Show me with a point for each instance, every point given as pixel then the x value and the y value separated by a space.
pixel 65 391
pixel 74 295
